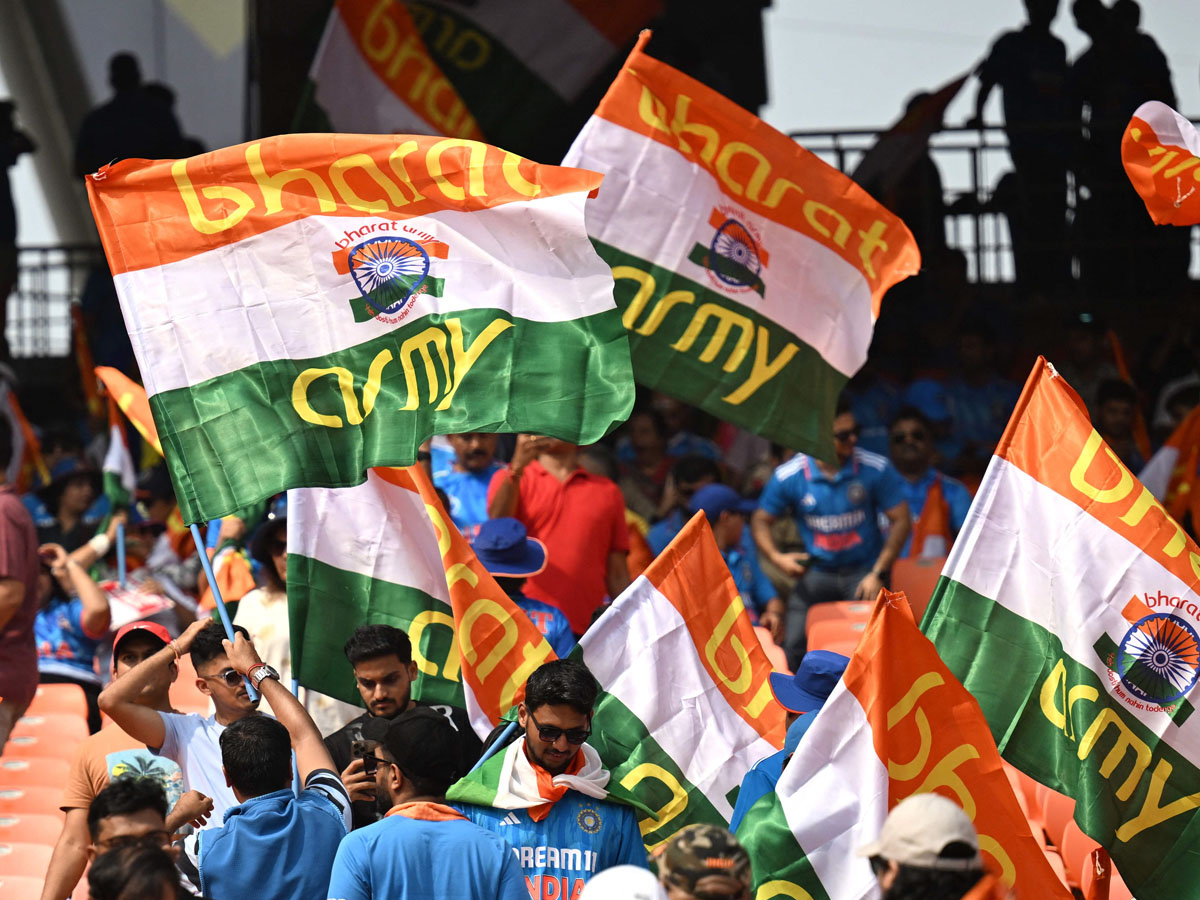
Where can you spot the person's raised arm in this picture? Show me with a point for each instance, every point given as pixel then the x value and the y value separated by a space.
pixel 95 616
pixel 505 500
pixel 98 547
pixel 311 752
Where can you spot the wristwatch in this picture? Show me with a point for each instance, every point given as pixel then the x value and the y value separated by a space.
pixel 257 673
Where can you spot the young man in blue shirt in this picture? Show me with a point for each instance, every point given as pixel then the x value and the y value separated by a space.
pixel 837 509
pixel 421 847
pixel 548 794
pixel 465 479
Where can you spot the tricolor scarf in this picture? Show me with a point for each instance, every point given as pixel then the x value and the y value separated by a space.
pixel 526 785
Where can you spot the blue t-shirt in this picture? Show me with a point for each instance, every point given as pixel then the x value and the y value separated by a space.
pixel 958 498
pixel 578 838
pixel 664 530
pixel 756 784
pixel 551 622
pixel 402 858
pixel 838 517
pixel 752 583
pixel 63 647
pixel 468 495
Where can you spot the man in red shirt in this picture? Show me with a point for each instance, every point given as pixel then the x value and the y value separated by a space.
pixel 580 517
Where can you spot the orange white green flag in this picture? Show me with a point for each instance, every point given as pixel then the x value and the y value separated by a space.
pixel 1068 608
pixel 1161 154
pixel 898 723
pixel 749 273
pixel 386 552
pixel 307 306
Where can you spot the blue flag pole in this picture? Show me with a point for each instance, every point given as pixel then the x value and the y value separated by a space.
pixel 121 554
pixel 212 582
pixel 497 745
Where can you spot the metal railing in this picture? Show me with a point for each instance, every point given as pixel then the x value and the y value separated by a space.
pixel 49 280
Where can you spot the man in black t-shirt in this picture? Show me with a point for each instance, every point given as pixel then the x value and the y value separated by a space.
pixel 384 671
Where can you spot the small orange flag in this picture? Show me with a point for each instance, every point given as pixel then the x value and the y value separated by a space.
pixel 131 397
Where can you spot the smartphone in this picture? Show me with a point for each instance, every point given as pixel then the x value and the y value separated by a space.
pixel 364 750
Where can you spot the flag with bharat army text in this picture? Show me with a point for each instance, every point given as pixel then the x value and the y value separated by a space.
pixel 749 273
pixel 1161 154
pixel 1068 608
pixel 308 306
pixel 386 552
pixel 685 705
pixel 496 71
pixel 898 723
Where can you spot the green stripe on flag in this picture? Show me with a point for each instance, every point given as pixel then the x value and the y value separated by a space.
pixel 1053 717
pixel 367 308
pixel 242 436
pixel 780 864
pixel 712 352
pixel 326 604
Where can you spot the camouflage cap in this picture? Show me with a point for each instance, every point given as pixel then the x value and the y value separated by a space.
pixel 697 851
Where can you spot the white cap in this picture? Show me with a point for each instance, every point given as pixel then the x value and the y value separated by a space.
pixel 919 828
pixel 623 883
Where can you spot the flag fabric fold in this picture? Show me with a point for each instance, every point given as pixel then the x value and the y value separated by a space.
pixel 1161 154
pixel 1068 609
pixel 749 273
pixel 366 292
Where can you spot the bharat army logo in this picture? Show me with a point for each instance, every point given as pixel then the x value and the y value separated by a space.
pixel 589 820
pixel 390 268
pixel 735 257
pixel 1159 659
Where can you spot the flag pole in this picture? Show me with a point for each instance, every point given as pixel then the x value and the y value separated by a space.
pixel 497 744
pixel 121 554
pixel 212 582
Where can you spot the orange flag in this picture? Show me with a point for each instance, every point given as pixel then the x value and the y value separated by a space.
pixel 131 397
pixel 1161 153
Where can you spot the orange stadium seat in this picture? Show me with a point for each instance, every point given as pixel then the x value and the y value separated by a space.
pixel 1117 890
pixel 59 698
pixel 850 609
pixel 46 771
pixel 31 828
pixel 917 578
pixel 60 726
pixel 838 635
pixel 31 800
pixel 20 887
pixel 32 745
pixel 30 860
pixel 1057 810
pixel 775 654
pixel 1077 850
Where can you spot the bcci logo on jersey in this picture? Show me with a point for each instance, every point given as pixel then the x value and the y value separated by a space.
pixel 389 263
pixel 734 257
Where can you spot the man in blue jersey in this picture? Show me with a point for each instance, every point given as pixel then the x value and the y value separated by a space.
pixel 465 478
pixel 938 503
pixel 837 509
pixel 549 795
pixel 421 847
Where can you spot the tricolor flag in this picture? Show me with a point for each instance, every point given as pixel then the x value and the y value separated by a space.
pixel 119 472
pixel 492 70
pixel 386 552
pixel 1068 608
pixel 749 273
pixel 899 723
pixel 308 306
pixel 26 469
pixel 1161 153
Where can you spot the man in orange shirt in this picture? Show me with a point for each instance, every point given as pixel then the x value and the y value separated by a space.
pixel 580 517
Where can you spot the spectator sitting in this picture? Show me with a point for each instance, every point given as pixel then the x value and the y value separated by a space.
pixel 677 416
pixel 688 474
pixel 422 847
pixel 938 503
pixel 1088 362
pixel 510 556
pixel 134 873
pixel 110 754
pixel 1116 413
pixel 132 812
pixel 465 479
pixel 704 861
pixel 642 477
pixel 70 518
pixel 191 740
pixel 580 517
pixel 282 844
pixel 726 512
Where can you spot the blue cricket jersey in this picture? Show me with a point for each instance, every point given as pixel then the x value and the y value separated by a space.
pixel 468 495
pixel 958 499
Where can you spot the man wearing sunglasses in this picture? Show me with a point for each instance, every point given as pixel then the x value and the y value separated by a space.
pixel 937 502
pixel 837 509
pixel 192 740
pixel 132 810
pixel 549 795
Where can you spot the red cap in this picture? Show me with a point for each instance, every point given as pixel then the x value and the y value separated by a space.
pixel 152 627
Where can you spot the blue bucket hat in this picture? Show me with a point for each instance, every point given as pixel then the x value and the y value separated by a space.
pixel 814 681
pixel 505 549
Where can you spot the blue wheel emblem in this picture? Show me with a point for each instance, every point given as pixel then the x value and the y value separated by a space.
pixel 1159 659
pixel 733 242
pixel 388 271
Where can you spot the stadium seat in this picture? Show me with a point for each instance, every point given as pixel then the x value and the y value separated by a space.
pixel 30 860
pixel 1117 890
pixel 32 745
pixel 1077 850
pixel 45 771
pixel 836 635
pixel 31 828
pixel 1057 810
pixel 917 578
pixel 68 699
pixel 850 609
pixel 31 800
pixel 20 887
pixel 775 654
pixel 60 726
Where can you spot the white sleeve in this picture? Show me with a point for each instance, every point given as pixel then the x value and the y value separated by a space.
pixel 176 730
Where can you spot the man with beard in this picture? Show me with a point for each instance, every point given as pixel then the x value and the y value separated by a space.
pixel 384 672
pixel 465 480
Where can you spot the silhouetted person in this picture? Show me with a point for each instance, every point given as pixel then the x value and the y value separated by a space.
pixel 131 125
pixel 12 144
pixel 189 145
pixel 1030 67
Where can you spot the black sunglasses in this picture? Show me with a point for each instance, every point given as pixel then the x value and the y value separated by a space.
pixel 229 676
pixel 551 733
pixel 846 435
pixel 901 437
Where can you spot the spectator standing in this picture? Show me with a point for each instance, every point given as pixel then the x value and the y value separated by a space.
pixel 700 862
pixel 550 790
pixel 112 753
pixel 580 517
pixel 19 570
pixel 511 556
pixel 465 479
pixel 837 510
pixel 643 476
pixel 280 844
pixel 422 847
pixel 13 143
pixel 384 672
pixel 937 503
pixel 192 740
